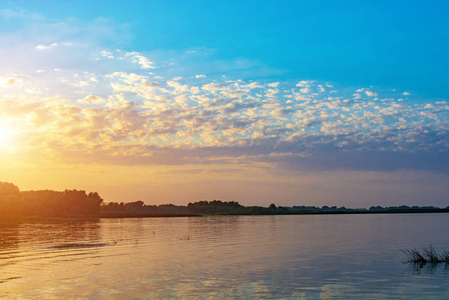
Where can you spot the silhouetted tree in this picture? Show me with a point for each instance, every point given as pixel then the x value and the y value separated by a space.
pixel 134 206
pixel 272 207
pixel 9 198
pixel 215 206
pixel 7 188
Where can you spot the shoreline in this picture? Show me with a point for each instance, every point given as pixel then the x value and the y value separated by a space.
pixel 125 215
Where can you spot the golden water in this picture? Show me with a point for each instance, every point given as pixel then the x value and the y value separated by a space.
pixel 314 257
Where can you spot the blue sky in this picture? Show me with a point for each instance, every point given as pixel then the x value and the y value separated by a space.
pixel 394 44
pixel 341 102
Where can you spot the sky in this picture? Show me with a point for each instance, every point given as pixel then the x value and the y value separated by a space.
pixel 289 102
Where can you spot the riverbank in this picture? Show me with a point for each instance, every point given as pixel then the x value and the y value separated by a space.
pixel 263 213
pixel 131 214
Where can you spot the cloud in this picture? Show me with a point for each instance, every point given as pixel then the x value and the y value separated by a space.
pixel 91 99
pixel 165 123
pixel 138 58
pixel 43 47
pixel 9 14
pixel 213 86
pixel 103 105
pixel 107 54
pixel 9 81
pixel 305 83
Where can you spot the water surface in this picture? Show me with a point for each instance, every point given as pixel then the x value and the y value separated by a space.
pixel 297 256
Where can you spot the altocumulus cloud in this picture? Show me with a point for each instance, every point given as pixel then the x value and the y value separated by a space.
pixel 113 110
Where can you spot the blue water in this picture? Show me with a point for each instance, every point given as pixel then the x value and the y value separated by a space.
pixel 246 257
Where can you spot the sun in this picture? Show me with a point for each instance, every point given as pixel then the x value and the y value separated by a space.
pixel 8 137
pixel 5 137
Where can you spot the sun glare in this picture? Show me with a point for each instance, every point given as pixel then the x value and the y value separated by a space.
pixel 5 137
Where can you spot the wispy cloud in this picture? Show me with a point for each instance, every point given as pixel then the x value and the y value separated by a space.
pixel 44 47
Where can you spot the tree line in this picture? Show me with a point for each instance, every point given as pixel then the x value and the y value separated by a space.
pixel 232 207
pixel 141 207
pixel 200 207
pixel 47 203
pixel 79 203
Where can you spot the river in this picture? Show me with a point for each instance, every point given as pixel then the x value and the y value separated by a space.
pixel 243 257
